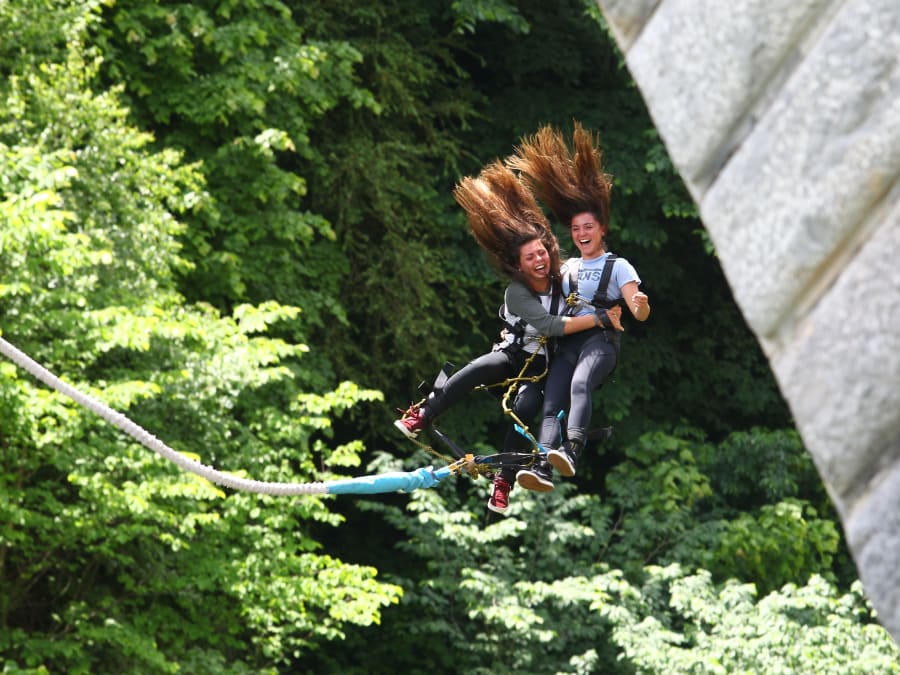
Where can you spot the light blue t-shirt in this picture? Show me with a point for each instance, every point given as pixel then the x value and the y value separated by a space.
pixel 589 274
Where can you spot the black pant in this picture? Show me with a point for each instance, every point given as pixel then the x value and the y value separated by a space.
pixel 582 363
pixel 493 368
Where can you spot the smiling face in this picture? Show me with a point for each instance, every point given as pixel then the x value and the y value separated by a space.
pixel 588 235
pixel 534 263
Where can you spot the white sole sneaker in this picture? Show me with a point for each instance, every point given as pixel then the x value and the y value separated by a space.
pixel 531 481
pixel 497 509
pixel 559 461
pixel 411 435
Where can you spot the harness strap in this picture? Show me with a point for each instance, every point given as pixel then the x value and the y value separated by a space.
pixel 556 290
pixel 601 296
pixel 519 327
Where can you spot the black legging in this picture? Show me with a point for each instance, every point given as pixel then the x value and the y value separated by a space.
pixel 490 369
pixel 581 364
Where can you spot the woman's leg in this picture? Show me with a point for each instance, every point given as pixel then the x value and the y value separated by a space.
pixel 527 400
pixel 529 397
pixel 556 398
pixel 596 361
pixel 525 404
pixel 486 369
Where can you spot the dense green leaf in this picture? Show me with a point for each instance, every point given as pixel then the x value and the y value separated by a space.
pixel 233 222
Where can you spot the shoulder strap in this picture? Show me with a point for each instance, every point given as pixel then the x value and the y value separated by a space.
pixel 600 297
pixel 574 269
pixel 555 295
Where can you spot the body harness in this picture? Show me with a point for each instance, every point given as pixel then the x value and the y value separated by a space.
pixel 601 296
pixel 478 465
pixel 517 328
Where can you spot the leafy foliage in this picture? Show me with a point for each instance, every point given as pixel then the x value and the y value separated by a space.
pixel 697 626
pixel 652 577
pixel 112 560
pixel 233 222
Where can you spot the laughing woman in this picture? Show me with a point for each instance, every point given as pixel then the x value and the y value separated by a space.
pixel 575 189
pixel 514 233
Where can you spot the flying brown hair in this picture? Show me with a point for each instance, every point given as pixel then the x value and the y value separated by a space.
pixel 503 215
pixel 569 182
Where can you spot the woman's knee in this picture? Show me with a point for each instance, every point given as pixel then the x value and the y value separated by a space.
pixel 581 387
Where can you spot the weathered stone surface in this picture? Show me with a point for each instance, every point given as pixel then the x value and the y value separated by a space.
pixel 823 155
pixel 783 117
pixel 706 64
pixel 626 18
pixel 840 372
pixel 873 534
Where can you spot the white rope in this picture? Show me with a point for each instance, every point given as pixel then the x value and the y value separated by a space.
pixel 151 442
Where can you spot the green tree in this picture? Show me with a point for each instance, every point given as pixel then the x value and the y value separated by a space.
pixel 112 559
pixel 676 622
pixel 231 220
pixel 318 130
pixel 541 592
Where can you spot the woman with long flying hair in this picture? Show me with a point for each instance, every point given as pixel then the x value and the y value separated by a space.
pixel 572 184
pixel 510 227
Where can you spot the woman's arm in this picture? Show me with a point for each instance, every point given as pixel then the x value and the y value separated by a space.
pixel 521 302
pixel 576 324
pixel 638 302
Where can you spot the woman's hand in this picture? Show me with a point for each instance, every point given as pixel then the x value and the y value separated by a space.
pixel 640 305
pixel 611 318
pixel 638 302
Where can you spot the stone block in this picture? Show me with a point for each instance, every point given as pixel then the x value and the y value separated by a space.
pixel 841 371
pixel 627 18
pixel 873 533
pixel 827 151
pixel 783 118
pixel 703 65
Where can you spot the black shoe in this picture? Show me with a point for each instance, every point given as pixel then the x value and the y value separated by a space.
pixel 537 477
pixel 601 434
pixel 565 458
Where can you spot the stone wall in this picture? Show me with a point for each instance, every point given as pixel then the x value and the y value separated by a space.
pixel 783 118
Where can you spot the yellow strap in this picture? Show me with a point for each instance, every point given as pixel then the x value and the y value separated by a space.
pixel 514 384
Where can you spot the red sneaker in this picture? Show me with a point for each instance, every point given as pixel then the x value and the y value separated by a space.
pixel 499 501
pixel 412 422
